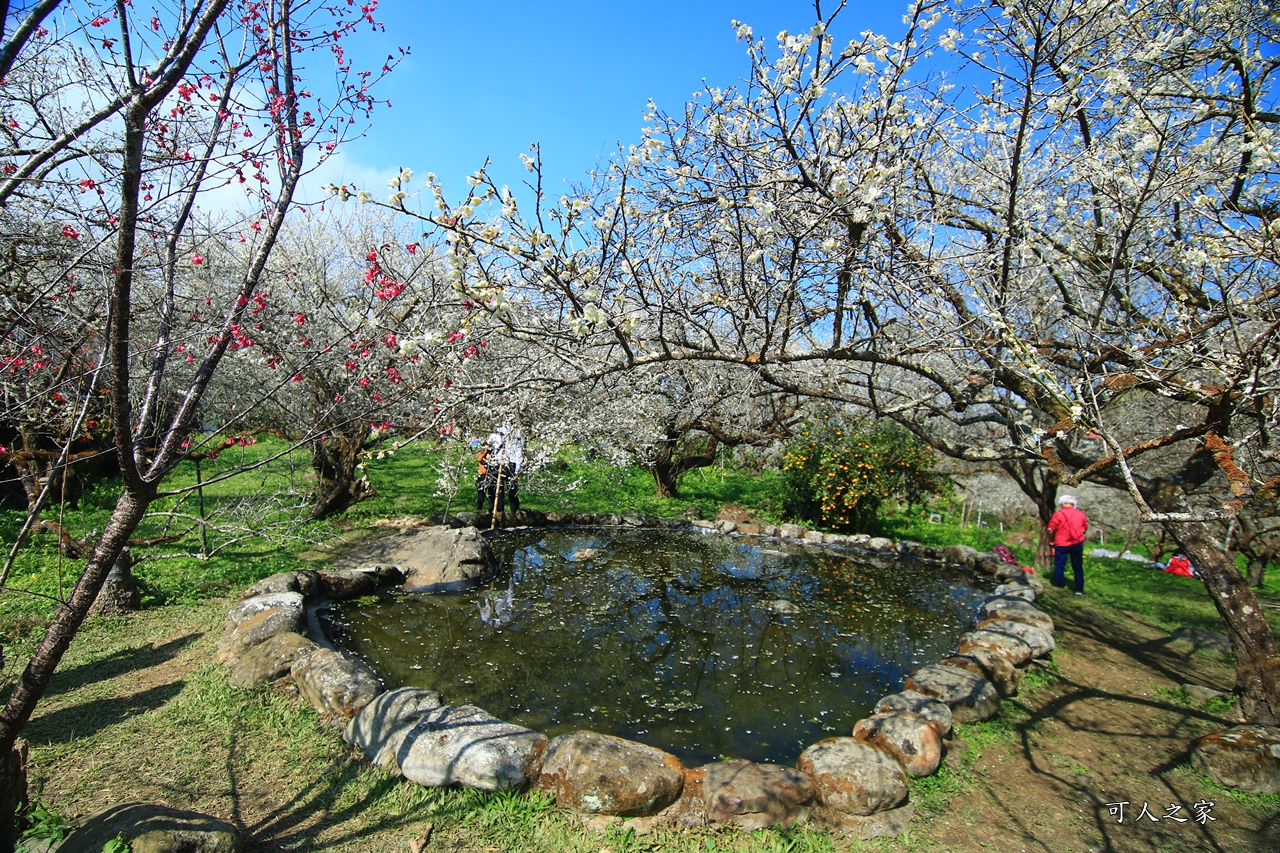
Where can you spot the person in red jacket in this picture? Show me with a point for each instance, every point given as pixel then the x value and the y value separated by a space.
pixel 1068 527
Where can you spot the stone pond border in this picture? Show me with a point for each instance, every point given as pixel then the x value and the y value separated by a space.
pixel 854 785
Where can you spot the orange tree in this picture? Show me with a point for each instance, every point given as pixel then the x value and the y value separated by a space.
pixel 838 476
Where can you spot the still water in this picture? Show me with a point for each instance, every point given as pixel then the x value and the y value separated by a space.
pixel 706 646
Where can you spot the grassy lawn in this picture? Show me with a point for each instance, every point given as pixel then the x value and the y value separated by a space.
pixel 138 707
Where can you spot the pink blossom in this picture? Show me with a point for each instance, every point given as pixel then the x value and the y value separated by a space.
pixel 70 233
pixel 198 259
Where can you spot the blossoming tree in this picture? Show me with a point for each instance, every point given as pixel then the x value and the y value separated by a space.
pixel 1004 253
pixel 126 299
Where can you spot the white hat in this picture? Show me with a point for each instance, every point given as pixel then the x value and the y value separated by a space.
pixel 1069 499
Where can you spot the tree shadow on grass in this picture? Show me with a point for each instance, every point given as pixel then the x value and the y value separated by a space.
pixel 1154 653
pixel 89 718
pixel 118 663
pixel 1117 834
pixel 313 818
pixel 1118 722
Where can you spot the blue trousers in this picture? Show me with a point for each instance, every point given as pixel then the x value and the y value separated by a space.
pixel 1060 554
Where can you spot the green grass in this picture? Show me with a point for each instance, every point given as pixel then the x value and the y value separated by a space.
pixel 407 482
pixel 198 741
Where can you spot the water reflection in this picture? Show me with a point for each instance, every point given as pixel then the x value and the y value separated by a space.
pixel 706 646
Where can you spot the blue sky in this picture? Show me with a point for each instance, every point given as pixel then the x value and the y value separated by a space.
pixel 487 79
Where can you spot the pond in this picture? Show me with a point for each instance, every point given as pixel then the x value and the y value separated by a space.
pixel 703 645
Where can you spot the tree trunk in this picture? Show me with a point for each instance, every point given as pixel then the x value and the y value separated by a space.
pixel 120 592
pixel 1257 571
pixel 35 679
pixel 1044 549
pixel 334 460
pixel 13 794
pixel 669 463
pixel 664 480
pixel 1252 642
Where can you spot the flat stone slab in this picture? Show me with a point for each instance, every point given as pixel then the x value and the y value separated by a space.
pixel 252 606
pixel 380 728
pixel 755 796
pixel 1246 758
pixel 341 584
pixel 602 774
pixel 1013 589
pixel 150 828
pixel 432 559
pixel 854 777
pixel 970 696
pixel 464 745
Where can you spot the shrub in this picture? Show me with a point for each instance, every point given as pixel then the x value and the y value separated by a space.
pixel 840 476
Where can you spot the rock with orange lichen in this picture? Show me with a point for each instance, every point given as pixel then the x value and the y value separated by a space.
pixel 854 777
pixel 1246 758
pixel 602 774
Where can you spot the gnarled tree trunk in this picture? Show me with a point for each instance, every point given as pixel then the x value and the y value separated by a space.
pixel 1252 643
pixel 334 458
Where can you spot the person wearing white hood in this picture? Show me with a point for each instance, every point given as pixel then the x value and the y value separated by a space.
pixel 507 445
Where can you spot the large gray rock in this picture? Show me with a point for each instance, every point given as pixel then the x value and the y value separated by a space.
pixel 938 713
pixel 1017 610
pixel 1001 642
pixel 1037 639
pixel 463 745
pixel 341 584
pixel 601 774
pixel 992 666
pixel 854 777
pixel 1246 758
pixel 961 554
pixel 303 581
pixel 335 685
pixel 1204 640
pixel 436 559
pixel 263 625
pixel 381 727
pixel 970 696
pixel 253 606
pixel 153 829
pixel 886 824
pixel 911 739
pixel 271 659
pixel 1017 590
pixel 1021 581
pixel 792 531
pixel 755 796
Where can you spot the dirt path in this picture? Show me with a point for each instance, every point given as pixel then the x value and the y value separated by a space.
pixel 1112 729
